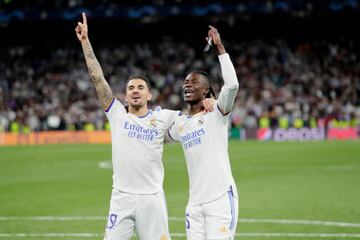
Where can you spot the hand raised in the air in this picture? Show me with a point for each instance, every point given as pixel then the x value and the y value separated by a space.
pixel 215 35
pixel 82 29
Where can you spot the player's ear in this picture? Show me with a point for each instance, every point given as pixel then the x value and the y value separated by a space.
pixel 149 97
pixel 207 93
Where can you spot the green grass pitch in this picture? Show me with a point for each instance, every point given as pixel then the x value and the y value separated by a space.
pixel 287 190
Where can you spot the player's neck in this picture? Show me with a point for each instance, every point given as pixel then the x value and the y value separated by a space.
pixel 195 108
pixel 140 111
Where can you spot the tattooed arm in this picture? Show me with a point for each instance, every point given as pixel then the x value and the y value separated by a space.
pixel 97 76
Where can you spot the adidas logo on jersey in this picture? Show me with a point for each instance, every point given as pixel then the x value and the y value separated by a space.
pixel 223 229
pixel 164 237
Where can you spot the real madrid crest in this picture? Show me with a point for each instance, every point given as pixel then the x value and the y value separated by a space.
pixel 153 122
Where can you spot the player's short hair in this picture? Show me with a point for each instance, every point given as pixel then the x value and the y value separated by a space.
pixel 208 78
pixel 142 77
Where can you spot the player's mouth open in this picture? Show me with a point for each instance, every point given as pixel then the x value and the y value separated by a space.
pixel 188 92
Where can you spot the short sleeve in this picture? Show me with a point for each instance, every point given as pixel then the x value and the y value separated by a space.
pixel 115 110
pixel 171 116
pixel 172 134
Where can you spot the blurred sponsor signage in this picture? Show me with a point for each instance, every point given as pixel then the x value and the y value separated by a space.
pixel 342 133
pixel 306 134
pixel 55 137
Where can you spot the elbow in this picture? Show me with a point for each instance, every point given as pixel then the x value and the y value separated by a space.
pixel 96 77
pixel 236 85
pixel 233 86
pixel 231 81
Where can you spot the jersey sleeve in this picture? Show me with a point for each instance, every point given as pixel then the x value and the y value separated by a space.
pixel 172 134
pixel 231 85
pixel 115 110
pixel 171 117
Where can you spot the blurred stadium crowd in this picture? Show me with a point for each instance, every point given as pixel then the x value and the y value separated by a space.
pixel 310 82
pixel 70 9
pixel 254 4
pixel 306 84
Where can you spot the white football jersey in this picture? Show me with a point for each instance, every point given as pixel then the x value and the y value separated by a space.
pixel 137 148
pixel 204 138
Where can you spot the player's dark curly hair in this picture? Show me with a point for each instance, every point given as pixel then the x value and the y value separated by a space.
pixel 208 78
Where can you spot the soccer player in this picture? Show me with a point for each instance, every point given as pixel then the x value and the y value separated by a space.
pixel 212 209
pixel 137 199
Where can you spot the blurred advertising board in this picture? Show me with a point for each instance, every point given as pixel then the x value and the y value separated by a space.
pixel 55 137
pixel 342 133
pixel 104 137
pixel 306 134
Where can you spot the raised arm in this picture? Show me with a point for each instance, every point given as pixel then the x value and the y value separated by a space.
pixel 97 76
pixel 231 85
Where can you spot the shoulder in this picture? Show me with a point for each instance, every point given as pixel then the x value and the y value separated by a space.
pixel 166 112
pixel 219 112
pixel 115 109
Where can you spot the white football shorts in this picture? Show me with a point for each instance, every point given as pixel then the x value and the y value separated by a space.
pixel 145 214
pixel 213 220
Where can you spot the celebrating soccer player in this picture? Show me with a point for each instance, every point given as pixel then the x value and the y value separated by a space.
pixel 212 210
pixel 137 200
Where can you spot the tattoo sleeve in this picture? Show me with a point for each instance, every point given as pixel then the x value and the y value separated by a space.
pixel 97 76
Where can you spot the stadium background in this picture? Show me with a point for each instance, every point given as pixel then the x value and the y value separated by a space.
pixel 298 68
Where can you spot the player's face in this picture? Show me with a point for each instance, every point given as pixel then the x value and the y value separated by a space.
pixel 137 93
pixel 195 88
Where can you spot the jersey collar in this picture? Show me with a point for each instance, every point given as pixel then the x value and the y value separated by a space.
pixel 144 116
pixel 191 116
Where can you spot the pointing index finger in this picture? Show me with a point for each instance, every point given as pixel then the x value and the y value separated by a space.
pixel 211 27
pixel 84 18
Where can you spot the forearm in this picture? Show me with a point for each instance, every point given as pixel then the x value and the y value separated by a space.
pixel 97 76
pixel 228 72
pixel 231 84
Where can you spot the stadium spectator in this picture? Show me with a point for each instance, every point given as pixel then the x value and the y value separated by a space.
pixel 279 83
